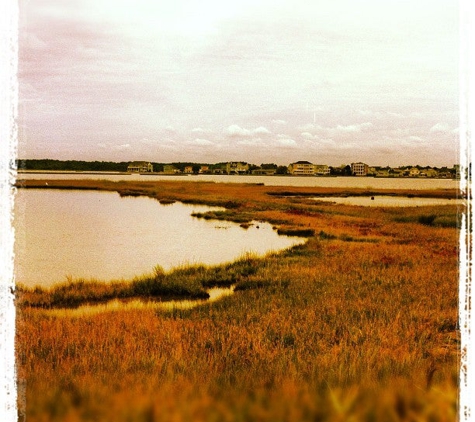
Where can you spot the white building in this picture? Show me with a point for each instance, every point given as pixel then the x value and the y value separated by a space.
pixel 359 169
pixel 140 167
pixel 302 168
pixel 322 170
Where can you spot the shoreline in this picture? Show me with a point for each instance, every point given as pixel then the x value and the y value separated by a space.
pixel 125 173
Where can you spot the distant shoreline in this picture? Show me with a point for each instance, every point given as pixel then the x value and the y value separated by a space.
pixel 125 173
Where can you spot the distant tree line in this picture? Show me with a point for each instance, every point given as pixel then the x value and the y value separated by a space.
pixel 71 165
pixel 76 165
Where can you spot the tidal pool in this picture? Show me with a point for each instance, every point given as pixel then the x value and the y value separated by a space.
pixel 73 234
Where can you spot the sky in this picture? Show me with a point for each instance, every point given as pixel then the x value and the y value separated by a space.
pixel 331 82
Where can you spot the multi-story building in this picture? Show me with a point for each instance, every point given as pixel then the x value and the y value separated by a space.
pixel 140 167
pixel 236 167
pixel 302 168
pixel 359 169
pixel 322 170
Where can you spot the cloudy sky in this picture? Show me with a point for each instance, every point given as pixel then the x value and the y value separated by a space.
pixel 258 81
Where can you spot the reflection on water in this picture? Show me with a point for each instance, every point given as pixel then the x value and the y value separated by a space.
pixel 331 182
pixel 387 201
pixel 62 234
pixel 122 305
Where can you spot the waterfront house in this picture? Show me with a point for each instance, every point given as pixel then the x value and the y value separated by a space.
pixel 381 173
pixel 264 172
pixel 237 167
pixel 399 172
pixel 322 170
pixel 430 172
pixel 188 170
pixel 140 167
pixel 170 169
pixel 302 168
pixel 359 169
pixel 218 170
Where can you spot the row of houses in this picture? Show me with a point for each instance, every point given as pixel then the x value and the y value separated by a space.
pixel 424 172
pixel 233 167
pixel 299 168
pixel 305 168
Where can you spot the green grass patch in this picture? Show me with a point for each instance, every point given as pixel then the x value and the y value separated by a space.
pixel 326 236
pixel 290 231
pixel 434 220
pixel 236 217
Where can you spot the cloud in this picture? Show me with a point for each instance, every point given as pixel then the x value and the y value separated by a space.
pixel 379 114
pixel 235 130
pixel 279 122
pixel 199 130
pixel 309 127
pixel 440 127
pixel 238 131
pixel 366 112
pixel 250 142
pixel 353 128
pixel 200 142
pixel 286 141
pixel 308 135
pixel 261 130
pixel 122 147
pixel 108 146
pixel 157 141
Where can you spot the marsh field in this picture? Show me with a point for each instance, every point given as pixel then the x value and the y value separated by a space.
pixel 360 323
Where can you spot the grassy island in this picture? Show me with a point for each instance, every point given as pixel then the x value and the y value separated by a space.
pixel 359 323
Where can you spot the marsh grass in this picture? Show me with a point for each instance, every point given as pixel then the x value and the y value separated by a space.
pixel 186 282
pixel 296 232
pixel 331 330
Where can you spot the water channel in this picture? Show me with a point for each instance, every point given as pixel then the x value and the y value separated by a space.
pixel 307 181
pixel 61 234
pixel 387 201
pixel 215 294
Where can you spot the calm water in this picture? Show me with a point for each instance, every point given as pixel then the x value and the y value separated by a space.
pixel 345 182
pixel 89 234
pixel 388 201
pixel 115 305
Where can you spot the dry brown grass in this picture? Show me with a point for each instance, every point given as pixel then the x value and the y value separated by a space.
pixel 338 329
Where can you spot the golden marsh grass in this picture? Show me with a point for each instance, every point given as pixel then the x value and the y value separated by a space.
pixel 359 323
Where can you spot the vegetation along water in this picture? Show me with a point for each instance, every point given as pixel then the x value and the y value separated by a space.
pixel 358 323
